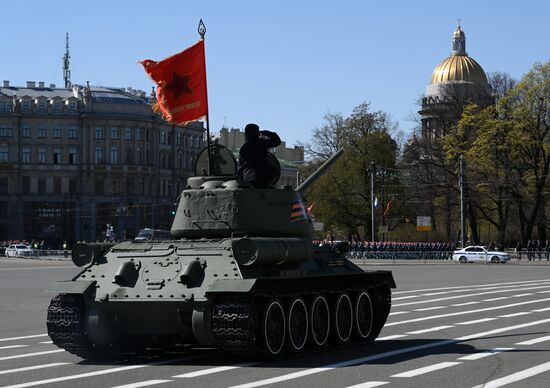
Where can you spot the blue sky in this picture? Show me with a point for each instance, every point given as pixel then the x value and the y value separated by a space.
pixel 282 64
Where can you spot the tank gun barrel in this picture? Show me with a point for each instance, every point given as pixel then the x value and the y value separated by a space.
pixel 319 172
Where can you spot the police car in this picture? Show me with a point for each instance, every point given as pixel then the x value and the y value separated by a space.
pixel 479 253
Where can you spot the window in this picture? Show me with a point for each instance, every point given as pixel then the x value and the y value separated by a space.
pixel 42 155
pixel 114 133
pixel 98 155
pixel 5 131
pixel 169 138
pixel 57 133
pixel 57 156
pixel 26 155
pixel 139 159
pixel 99 187
pixel 3 154
pixel 128 134
pixel 26 184
pixel 72 105
pixel 98 132
pixel 128 157
pixel 138 134
pixel 41 185
pixel 57 185
pixel 115 186
pixel 41 105
pixel 130 186
pixel 41 132
pixel 3 185
pixel 25 131
pixel 6 106
pixel 114 155
pixel 57 107
pixel 72 156
pixel 72 185
pixel 26 106
pixel 162 138
pixel 72 133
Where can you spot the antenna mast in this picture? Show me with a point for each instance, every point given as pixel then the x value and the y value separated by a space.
pixel 66 70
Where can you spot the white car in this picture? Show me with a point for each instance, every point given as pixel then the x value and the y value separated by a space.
pixel 480 254
pixel 18 250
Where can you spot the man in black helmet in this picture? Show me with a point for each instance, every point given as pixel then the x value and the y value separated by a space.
pixel 253 163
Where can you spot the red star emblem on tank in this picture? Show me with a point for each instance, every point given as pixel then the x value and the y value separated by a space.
pixel 179 85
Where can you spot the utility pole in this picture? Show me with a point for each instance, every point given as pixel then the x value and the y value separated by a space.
pixel 383 223
pixel 462 205
pixel 373 231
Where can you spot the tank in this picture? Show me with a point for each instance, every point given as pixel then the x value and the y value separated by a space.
pixel 242 273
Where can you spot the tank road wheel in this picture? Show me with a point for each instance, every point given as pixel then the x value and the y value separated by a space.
pixel 363 315
pixel 343 317
pixel 273 327
pixel 319 315
pixel 297 324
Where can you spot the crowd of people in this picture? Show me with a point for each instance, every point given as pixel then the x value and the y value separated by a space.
pixel 534 250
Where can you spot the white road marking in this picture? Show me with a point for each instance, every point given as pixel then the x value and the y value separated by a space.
pixel 541 310
pixel 465 296
pixel 464 304
pixel 543 292
pixel 16 269
pixel 209 371
pixel 431 308
pixel 12 347
pixel 390 337
pixel 477 285
pixel 427 369
pixel 400 312
pixel 25 337
pixel 514 314
pixel 521 375
pixel 370 384
pixel 534 341
pixel 46 342
pixel 365 359
pixel 520 295
pixel 143 384
pixel 477 356
pixel 34 367
pixel 434 293
pixel 499 298
pixel 476 321
pixel 31 354
pixel 429 330
pixel 102 372
pixel 465 312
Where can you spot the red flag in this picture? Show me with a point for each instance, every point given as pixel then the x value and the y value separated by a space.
pixel 181 84
pixel 388 207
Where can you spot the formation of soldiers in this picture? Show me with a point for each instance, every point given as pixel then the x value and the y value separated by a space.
pixel 391 250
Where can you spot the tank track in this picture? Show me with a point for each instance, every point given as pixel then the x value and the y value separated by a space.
pixel 234 320
pixel 66 326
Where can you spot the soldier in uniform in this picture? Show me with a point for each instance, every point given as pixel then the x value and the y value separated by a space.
pixel 253 163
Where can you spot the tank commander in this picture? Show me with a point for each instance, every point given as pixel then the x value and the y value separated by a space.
pixel 253 160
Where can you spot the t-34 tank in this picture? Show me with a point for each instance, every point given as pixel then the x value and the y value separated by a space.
pixel 243 274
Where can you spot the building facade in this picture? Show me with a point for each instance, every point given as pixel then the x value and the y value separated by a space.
pixel 74 160
pixel 289 158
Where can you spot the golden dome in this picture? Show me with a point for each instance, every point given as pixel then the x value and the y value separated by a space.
pixel 459 68
pixel 459 33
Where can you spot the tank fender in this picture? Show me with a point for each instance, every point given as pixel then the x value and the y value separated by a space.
pixel 236 285
pixel 80 287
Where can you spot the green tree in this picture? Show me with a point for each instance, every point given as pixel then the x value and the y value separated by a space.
pixel 342 196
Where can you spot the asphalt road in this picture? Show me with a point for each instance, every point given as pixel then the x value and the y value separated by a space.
pixel 450 326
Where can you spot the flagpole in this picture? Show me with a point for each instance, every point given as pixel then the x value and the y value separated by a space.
pixel 202 31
